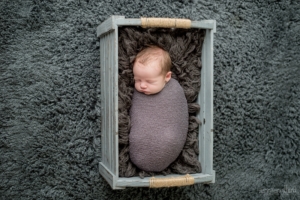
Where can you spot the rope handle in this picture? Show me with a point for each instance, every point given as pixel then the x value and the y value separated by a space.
pixel 171 182
pixel 165 23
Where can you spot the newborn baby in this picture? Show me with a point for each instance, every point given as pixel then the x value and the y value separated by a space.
pixel 159 112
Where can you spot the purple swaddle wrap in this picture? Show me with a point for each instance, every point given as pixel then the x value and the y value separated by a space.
pixel 159 126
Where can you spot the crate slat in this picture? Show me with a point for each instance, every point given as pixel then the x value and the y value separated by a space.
pixel 109 94
pixel 110 102
pixel 115 57
pixel 208 48
pixel 103 102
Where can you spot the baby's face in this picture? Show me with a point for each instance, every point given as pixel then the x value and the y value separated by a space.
pixel 148 78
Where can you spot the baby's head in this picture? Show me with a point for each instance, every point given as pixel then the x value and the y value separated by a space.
pixel 152 70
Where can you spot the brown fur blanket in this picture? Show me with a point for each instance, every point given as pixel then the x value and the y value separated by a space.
pixel 184 47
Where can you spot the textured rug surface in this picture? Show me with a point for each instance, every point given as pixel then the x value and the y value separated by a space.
pixel 50 98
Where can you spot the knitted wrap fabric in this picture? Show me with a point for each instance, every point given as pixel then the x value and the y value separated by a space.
pixel 159 125
pixel 184 47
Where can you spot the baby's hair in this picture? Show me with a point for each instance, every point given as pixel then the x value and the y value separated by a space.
pixel 152 53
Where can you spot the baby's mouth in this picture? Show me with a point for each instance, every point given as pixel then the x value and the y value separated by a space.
pixel 145 92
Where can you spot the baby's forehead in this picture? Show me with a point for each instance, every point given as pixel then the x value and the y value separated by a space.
pixel 148 59
pixel 153 64
pixel 150 66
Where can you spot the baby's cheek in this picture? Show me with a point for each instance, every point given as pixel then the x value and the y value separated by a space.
pixel 137 86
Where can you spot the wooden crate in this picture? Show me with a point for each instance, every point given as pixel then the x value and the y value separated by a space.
pixel 109 167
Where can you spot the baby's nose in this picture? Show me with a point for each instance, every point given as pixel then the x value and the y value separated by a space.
pixel 143 85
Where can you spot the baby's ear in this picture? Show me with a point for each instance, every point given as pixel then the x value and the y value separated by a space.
pixel 168 76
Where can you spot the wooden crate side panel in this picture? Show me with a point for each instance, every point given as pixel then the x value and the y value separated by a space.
pixel 108 100
pixel 205 100
pixel 145 182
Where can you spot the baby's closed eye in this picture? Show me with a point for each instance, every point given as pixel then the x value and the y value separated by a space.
pixel 151 82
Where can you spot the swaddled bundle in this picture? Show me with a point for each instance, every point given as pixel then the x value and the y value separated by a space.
pixel 159 126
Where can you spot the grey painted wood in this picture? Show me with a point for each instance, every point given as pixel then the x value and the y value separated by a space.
pixel 108 25
pixel 106 173
pixel 109 102
pixel 108 176
pixel 128 22
pixel 109 106
pixel 208 132
pixel 201 115
pixel 205 24
pixel 205 99
pixel 145 182
pixel 103 102
pixel 115 100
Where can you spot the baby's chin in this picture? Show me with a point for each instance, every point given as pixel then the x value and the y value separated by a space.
pixel 148 93
pixel 145 92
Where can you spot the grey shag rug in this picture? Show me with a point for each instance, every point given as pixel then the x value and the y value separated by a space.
pixel 50 98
